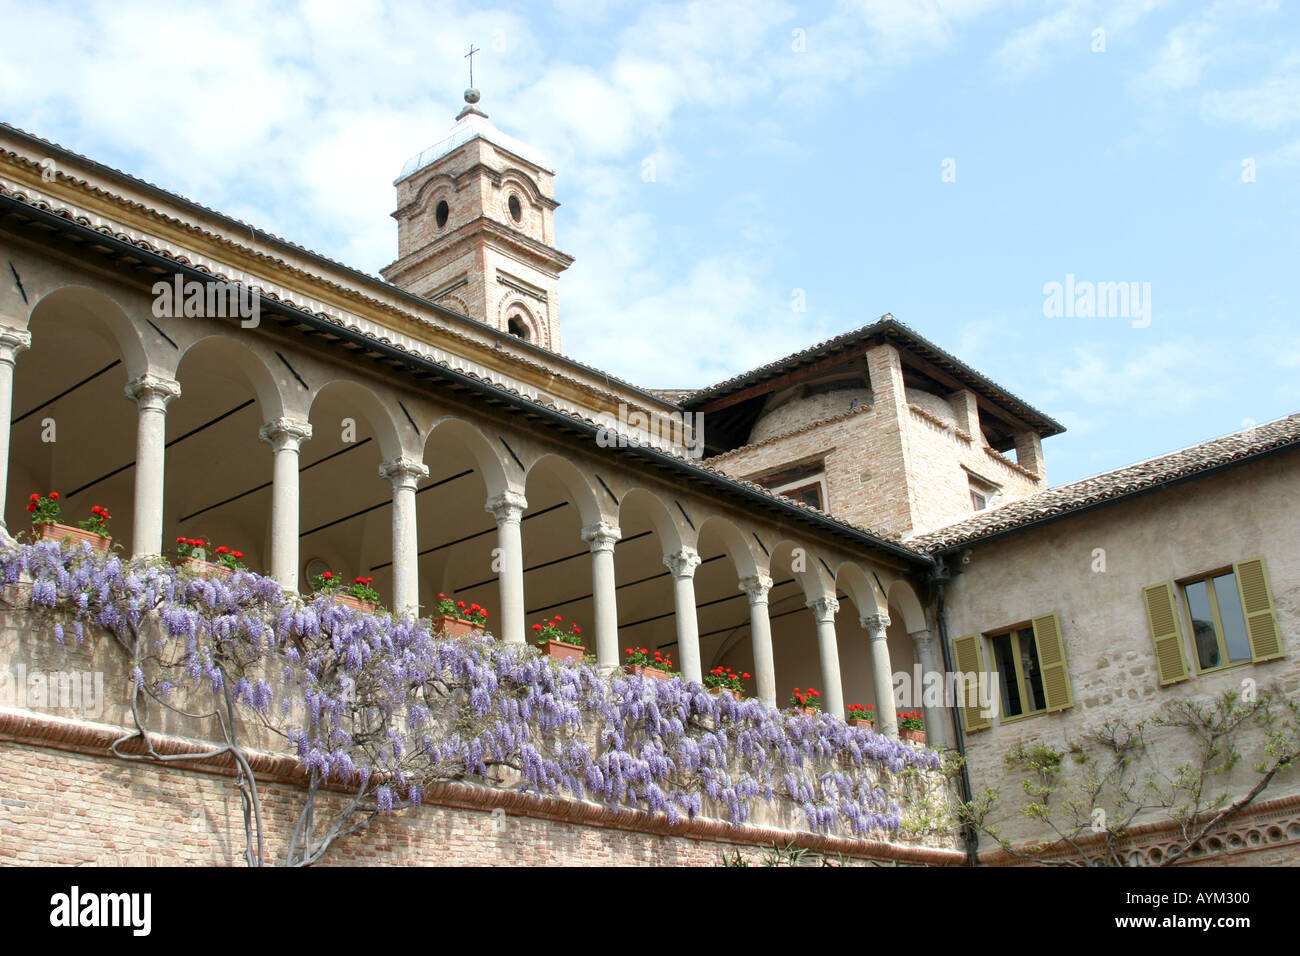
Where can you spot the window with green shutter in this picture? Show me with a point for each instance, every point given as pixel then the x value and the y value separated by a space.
pixel 969 661
pixel 1030 670
pixel 1233 620
pixel 1162 618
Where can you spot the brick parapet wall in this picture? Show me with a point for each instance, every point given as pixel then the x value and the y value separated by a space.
pixel 68 802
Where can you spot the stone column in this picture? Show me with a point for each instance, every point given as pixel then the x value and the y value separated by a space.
pixel 285 435
pixel 760 635
pixel 602 537
pixel 927 654
pixel 824 610
pixel 12 341
pixel 508 509
pixel 882 674
pixel 151 394
pixel 405 474
pixel 682 564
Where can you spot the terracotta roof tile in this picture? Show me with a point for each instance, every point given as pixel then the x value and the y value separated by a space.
pixel 1113 485
pixel 887 327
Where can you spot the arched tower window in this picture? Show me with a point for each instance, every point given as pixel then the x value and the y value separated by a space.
pixel 440 214
pixel 516 325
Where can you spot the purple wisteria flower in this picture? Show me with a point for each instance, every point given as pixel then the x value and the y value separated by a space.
pixel 370 702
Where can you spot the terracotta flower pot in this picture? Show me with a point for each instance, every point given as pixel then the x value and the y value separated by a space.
pixel 561 651
pixel 725 690
pixel 347 600
pixel 69 534
pixel 917 736
pixel 856 722
pixel 653 672
pixel 210 568
pixel 448 626
pixel 810 711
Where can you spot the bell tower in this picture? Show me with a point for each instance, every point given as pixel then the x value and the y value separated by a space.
pixel 476 229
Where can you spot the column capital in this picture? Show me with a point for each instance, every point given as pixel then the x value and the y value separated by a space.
pixel 601 536
pixel 756 586
pixel 404 472
pixel 683 563
pixel 824 608
pixel 923 638
pixel 285 433
pixel 876 625
pixel 13 341
pixel 152 391
pixel 507 507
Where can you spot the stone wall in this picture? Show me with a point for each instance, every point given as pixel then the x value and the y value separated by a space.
pixel 1179 532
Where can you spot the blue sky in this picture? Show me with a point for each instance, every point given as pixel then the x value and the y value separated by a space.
pixel 794 147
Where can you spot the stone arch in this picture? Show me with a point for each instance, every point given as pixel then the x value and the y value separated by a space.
pixel 813 579
pixel 733 542
pixel 903 597
pixel 438 186
pixel 575 484
pixel 228 393
pixel 490 462
pixel 100 308
pixel 516 311
pixel 862 588
pixel 515 175
pixel 377 415
pixel 653 507
pixel 512 303
pixel 250 359
pixel 72 428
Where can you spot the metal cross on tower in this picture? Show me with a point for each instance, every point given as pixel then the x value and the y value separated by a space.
pixel 470 56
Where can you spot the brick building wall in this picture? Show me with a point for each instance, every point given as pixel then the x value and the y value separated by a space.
pixel 898 465
pixel 67 804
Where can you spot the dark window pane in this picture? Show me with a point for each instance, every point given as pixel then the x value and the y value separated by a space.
pixel 1035 700
pixel 1234 622
pixel 1207 644
pixel 1005 662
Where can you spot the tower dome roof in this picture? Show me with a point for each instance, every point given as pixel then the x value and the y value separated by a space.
pixel 472 123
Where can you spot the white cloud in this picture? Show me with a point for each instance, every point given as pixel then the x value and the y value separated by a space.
pixel 1271 104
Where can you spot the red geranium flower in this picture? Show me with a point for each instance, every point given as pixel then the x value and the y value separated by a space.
pixel 54 496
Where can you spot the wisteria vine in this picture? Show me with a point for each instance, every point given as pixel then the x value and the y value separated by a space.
pixel 382 708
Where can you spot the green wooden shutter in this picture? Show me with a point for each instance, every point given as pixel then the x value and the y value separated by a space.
pixel 1257 603
pixel 970 665
pixel 1171 661
pixel 1051 657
